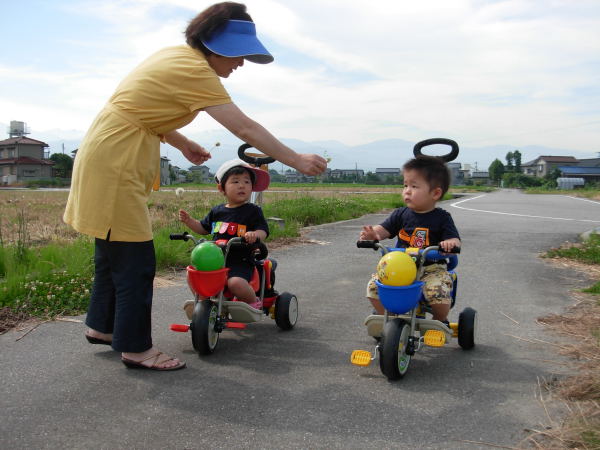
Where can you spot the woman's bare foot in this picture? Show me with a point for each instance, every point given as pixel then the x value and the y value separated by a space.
pixel 149 359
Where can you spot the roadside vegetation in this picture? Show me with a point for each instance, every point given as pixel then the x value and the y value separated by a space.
pixel 46 269
pixel 580 324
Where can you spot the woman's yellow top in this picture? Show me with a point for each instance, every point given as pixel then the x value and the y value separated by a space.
pixel 119 158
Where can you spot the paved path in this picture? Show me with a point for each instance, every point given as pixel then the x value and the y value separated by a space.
pixel 264 388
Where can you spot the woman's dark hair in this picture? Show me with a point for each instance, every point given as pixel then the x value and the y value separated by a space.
pixel 431 168
pixel 204 24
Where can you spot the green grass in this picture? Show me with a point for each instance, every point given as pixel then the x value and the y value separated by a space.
pixel 56 278
pixel 49 280
pixel 588 252
pixel 594 289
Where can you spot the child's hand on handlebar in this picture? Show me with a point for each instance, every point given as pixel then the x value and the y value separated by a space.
pixel 449 244
pixel 251 237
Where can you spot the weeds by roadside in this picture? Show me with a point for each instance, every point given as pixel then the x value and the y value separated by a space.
pixel 580 324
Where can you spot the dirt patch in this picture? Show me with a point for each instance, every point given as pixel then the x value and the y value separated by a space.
pixel 10 319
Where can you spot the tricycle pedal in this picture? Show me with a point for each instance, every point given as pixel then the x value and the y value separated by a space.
pixel 180 328
pixel 434 338
pixel 361 358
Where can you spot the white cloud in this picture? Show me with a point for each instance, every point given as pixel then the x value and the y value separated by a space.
pixel 516 71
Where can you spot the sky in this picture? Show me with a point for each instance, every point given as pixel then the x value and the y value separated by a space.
pixel 513 72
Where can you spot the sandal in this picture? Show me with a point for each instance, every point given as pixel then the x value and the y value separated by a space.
pixel 95 340
pixel 130 363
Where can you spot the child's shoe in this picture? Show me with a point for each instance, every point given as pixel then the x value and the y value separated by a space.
pixel 256 305
pixel 188 307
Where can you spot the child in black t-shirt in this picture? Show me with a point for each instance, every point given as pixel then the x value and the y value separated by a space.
pixel 420 224
pixel 236 180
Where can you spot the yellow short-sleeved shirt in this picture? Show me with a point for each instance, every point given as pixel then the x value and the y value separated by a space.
pixel 118 160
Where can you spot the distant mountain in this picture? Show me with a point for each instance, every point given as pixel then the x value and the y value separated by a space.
pixel 368 157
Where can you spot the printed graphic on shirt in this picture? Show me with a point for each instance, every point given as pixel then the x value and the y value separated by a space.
pixel 228 228
pixel 419 237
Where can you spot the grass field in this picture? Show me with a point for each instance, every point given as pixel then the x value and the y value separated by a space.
pixel 46 268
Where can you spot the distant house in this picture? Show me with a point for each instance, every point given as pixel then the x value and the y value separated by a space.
pixel 165 175
pixel 348 173
pixel 291 176
pixel 201 174
pixel 480 178
pixel 586 173
pixel 23 159
pixel 179 174
pixel 543 165
pixel 457 175
pixel 383 173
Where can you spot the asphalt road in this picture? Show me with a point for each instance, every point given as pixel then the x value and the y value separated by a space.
pixel 264 388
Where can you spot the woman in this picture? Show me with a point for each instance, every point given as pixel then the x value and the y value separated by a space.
pixel 118 163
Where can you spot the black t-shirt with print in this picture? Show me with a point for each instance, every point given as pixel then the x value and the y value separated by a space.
pixel 420 229
pixel 225 223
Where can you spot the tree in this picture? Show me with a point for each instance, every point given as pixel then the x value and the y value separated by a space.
pixel 496 170
pixel 63 164
pixel 509 162
pixel 517 159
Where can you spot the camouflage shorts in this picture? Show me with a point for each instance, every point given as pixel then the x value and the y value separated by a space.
pixel 437 289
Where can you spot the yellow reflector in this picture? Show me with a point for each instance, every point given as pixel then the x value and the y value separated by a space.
pixel 454 327
pixel 434 338
pixel 360 358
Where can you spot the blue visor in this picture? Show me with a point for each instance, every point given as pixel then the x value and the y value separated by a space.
pixel 238 38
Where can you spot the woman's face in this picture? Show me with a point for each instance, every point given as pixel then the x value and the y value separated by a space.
pixel 223 65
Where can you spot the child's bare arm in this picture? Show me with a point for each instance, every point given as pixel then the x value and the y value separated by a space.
pixel 252 236
pixel 191 223
pixel 449 244
pixel 376 232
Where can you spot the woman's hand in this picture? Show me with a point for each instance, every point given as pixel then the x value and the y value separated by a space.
pixel 311 164
pixel 193 152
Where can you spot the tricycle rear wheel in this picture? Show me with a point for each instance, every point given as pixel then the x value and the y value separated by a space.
pixel 204 319
pixel 394 360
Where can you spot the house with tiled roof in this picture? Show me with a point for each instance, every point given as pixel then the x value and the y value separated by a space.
pixel 23 159
pixel 543 165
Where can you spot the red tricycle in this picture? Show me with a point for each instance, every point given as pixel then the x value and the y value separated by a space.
pixel 216 309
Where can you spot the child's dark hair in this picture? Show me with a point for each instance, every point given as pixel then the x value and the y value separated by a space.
pixel 237 170
pixel 204 24
pixel 431 168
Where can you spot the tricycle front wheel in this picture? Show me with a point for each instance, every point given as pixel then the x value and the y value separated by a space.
pixel 204 335
pixel 394 360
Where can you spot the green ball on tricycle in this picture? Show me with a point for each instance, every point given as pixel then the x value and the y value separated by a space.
pixel 207 256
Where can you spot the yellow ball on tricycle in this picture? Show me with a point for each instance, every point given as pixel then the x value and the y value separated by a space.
pixel 396 268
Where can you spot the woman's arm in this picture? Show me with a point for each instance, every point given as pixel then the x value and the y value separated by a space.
pixel 192 151
pixel 232 118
